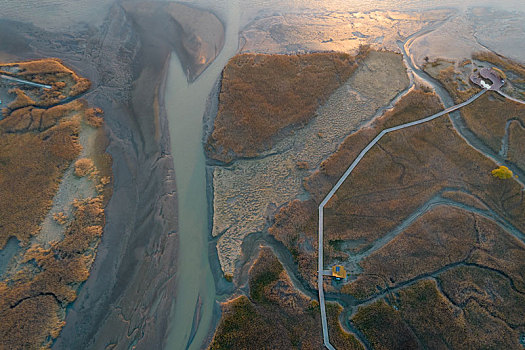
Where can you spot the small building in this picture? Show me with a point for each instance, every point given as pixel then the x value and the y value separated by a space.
pixel 494 80
pixel 492 75
pixel 338 272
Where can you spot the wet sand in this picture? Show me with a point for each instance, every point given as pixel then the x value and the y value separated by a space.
pixel 128 297
pixel 118 298
pixel 283 33
pixel 144 278
pixel 196 293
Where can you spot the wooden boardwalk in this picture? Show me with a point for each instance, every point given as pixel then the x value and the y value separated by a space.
pixel 352 166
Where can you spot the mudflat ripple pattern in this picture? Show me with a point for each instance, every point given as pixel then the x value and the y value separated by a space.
pixel 246 192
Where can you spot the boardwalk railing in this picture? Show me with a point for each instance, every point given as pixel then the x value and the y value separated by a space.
pixel 340 182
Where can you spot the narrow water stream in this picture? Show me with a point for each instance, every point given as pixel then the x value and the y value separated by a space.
pixel 447 100
pixel 417 74
pixel 185 106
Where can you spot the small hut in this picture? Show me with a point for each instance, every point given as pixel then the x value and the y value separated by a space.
pixel 338 272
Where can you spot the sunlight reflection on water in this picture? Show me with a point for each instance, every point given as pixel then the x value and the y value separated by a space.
pixel 58 14
pixel 55 15
pixel 501 31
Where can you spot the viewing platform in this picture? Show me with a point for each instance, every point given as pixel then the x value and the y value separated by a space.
pixel 338 272
pixel 493 79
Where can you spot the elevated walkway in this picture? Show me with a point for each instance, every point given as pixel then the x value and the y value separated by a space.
pixel 26 82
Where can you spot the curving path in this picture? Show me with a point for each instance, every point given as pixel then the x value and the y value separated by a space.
pixel 510 98
pixel 343 178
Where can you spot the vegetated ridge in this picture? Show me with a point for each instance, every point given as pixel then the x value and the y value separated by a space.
pixel 263 94
pixel 275 315
pixel 39 141
pixel 427 232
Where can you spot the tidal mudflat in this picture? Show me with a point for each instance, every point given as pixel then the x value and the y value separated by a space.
pixel 248 191
pixel 363 239
pixel 124 48
pixel 55 184
pixel 125 58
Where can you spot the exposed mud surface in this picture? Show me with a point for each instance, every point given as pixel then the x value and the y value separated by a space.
pixel 248 191
pixel 128 297
pixel 472 29
pixel 42 135
pixel 72 187
pixel 338 31
pixel 197 36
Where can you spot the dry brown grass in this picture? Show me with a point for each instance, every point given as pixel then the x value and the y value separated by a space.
pixel 398 185
pixel 396 177
pixel 263 275
pixel 82 85
pixel 60 218
pixel 56 273
pixel 465 198
pixel 43 66
pixel 93 117
pixel 83 167
pixel 406 169
pixel 500 61
pixel 452 81
pixel 276 316
pixel 103 163
pixel 297 222
pixel 30 118
pixel 409 167
pixel 438 323
pixel 440 237
pixel 432 317
pixel 41 320
pixel 501 251
pixel 37 145
pixel 489 289
pixel 295 225
pixel 427 319
pixel 20 120
pixel 21 100
pixel 488 115
pixel 51 71
pixel 413 106
pixel 32 166
pixel 384 328
pixel 263 94
pixel 51 115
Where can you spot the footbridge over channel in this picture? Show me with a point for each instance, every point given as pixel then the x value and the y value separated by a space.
pixel 496 85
